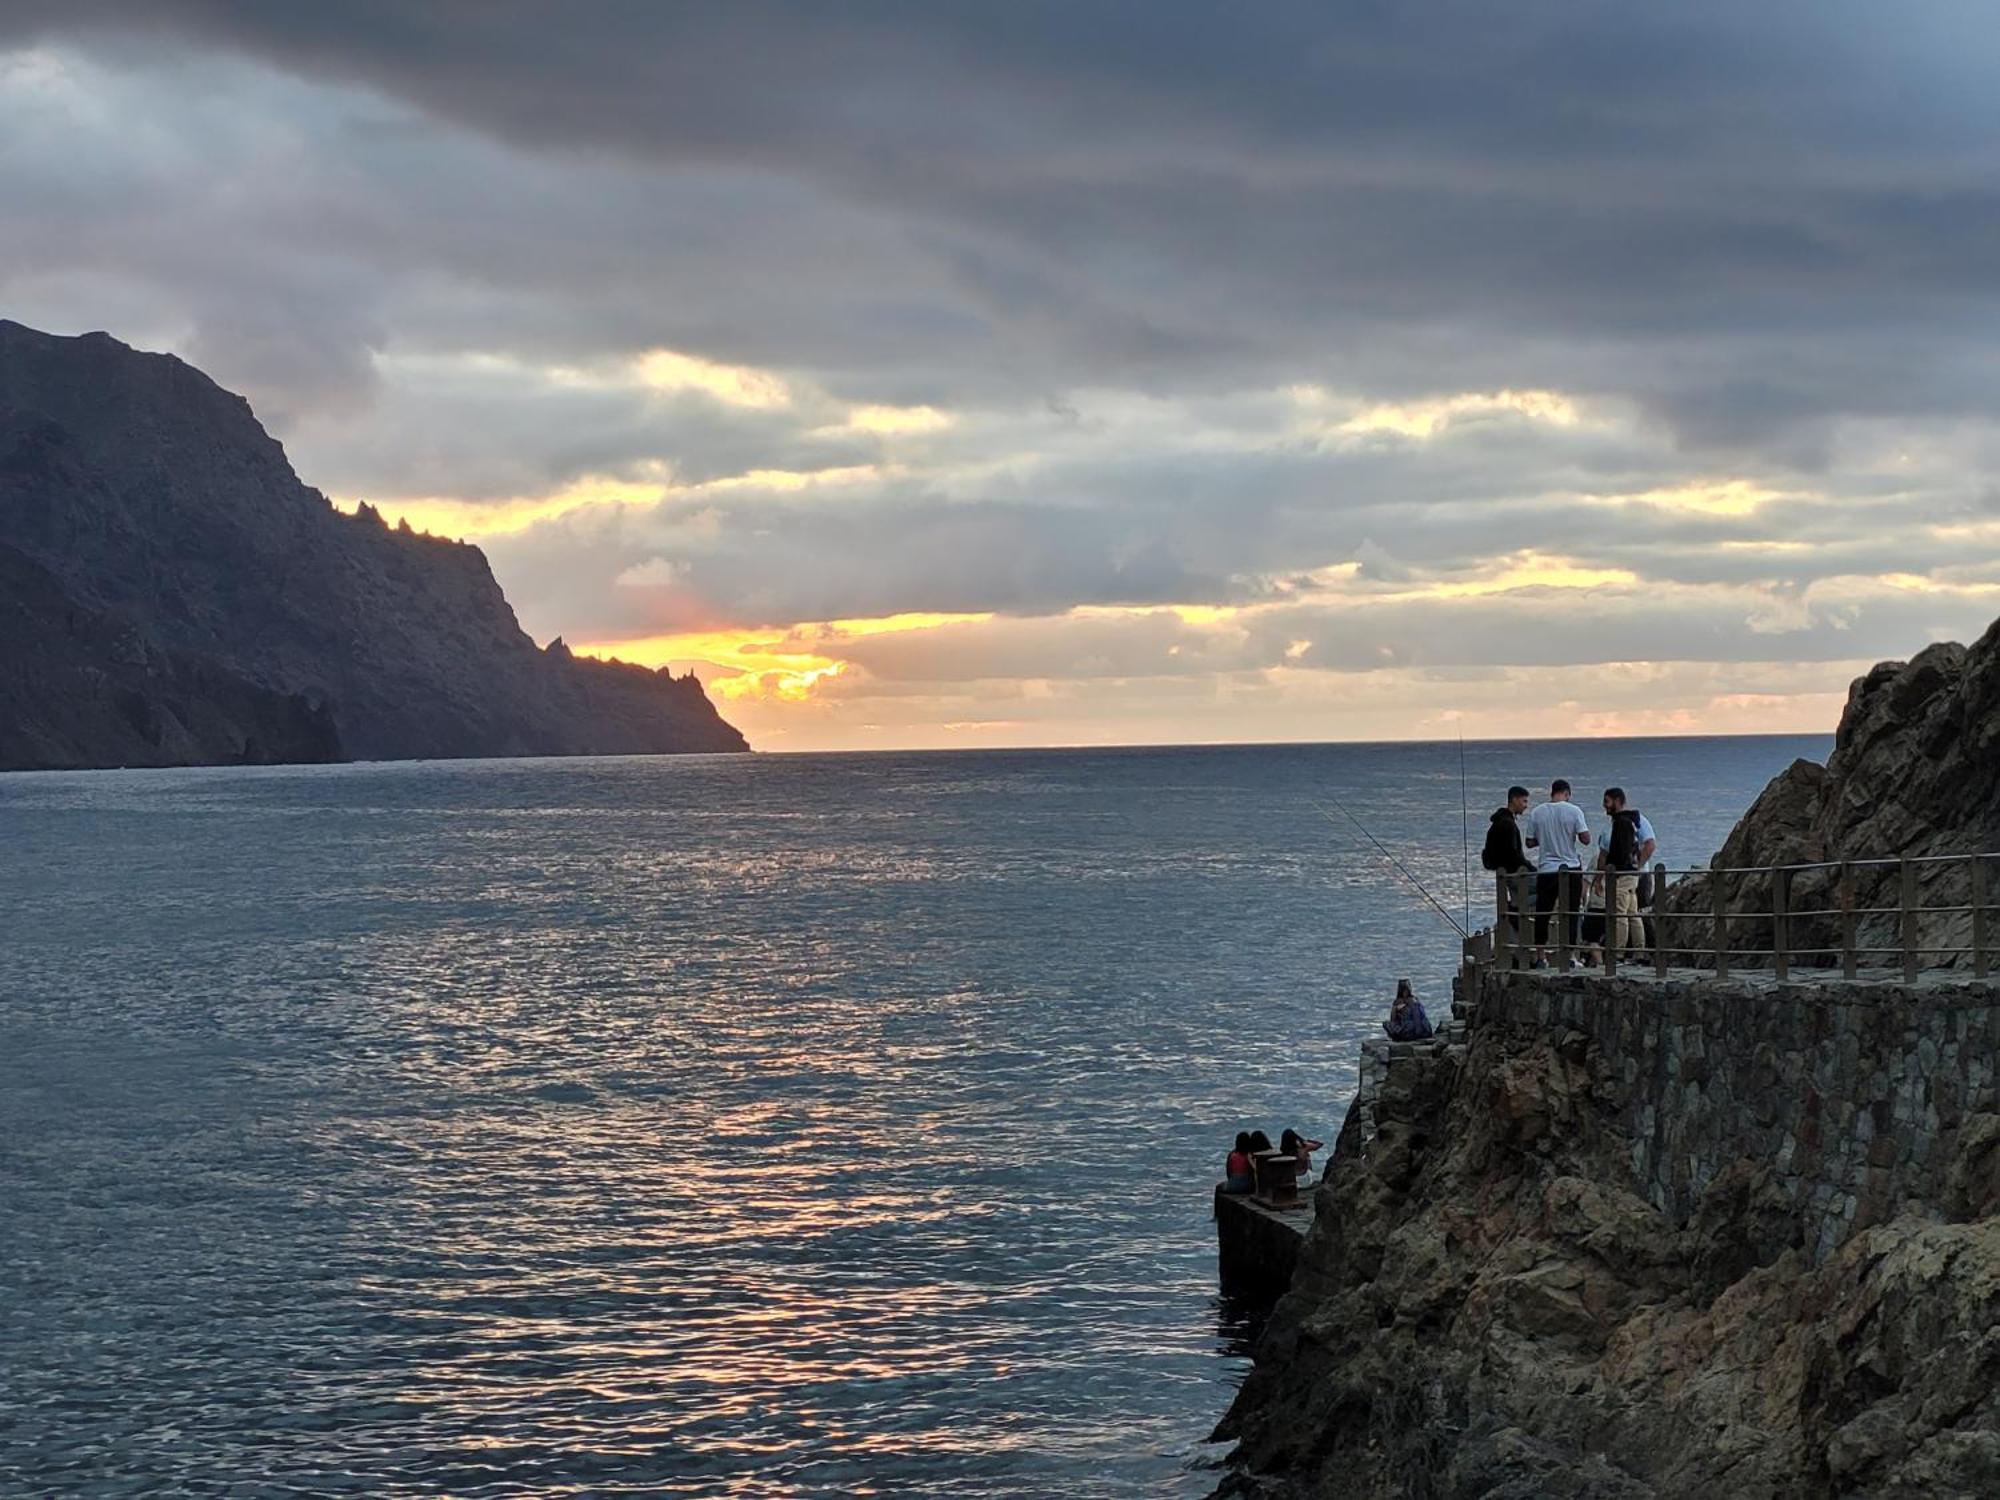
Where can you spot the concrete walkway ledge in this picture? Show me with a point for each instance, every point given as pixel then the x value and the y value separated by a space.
pixel 1258 1243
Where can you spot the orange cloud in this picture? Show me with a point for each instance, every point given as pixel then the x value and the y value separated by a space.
pixel 463 519
pixel 471 519
pixel 783 664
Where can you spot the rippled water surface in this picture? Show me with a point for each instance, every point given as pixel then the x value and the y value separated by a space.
pixel 759 1126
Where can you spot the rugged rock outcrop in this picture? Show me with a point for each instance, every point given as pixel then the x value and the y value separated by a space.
pixel 1643 1238
pixel 168 573
pixel 1915 771
pixel 1634 1240
pixel 79 688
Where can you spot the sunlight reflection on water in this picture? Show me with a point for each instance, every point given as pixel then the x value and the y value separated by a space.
pixel 749 1126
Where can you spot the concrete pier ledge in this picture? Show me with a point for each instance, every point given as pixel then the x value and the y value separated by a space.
pixel 1259 1242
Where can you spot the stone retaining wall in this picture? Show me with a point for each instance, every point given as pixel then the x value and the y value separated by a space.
pixel 1380 1070
pixel 1258 1244
pixel 1856 1096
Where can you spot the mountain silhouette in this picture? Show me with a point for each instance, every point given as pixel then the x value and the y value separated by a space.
pixel 172 594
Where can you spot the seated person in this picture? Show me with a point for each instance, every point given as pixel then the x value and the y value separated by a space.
pixel 1590 931
pixel 1300 1147
pixel 1407 1021
pixel 1237 1176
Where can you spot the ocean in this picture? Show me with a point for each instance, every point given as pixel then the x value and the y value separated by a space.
pixel 755 1125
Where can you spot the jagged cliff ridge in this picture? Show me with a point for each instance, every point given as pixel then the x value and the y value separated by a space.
pixel 174 595
pixel 1915 771
pixel 1642 1240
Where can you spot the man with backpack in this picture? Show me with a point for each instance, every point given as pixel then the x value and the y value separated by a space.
pixel 1631 848
pixel 1504 853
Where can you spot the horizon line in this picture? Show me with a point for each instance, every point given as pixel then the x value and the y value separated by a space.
pixel 1546 739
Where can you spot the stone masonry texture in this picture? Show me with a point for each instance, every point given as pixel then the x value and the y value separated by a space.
pixel 1854 1095
pixel 1623 1238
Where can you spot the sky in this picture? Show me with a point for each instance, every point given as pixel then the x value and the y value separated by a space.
pixel 1083 373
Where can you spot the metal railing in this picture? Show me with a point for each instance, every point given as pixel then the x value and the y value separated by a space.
pixel 1853 915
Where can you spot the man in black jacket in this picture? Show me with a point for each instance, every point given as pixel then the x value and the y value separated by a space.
pixel 1504 853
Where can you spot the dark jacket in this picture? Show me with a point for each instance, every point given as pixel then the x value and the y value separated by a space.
pixel 1504 851
pixel 1412 1025
pixel 1623 851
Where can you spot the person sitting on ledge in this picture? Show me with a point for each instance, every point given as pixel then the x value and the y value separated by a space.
pixel 1590 930
pixel 1300 1147
pixel 1237 1176
pixel 1407 1021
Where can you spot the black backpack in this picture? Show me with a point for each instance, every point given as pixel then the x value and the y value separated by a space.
pixel 1499 853
pixel 1623 853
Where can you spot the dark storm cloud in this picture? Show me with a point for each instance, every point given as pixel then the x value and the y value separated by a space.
pixel 762 558
pixel 1404 635
pixel 1223 504
pixel 1163 193
pixel 1106 238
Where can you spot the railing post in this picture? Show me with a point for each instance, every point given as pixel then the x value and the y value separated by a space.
pixel 1978 916
pixel 1721 902
pixel 1781 906
pixel 1659 924
pixel 1909 907
pixel 1611 923
pixel 1562 916
pixel 1522 887
pixel 1501 957
pixel 1850 966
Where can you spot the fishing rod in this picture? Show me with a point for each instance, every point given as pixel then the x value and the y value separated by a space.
pixel 1465 831
pixel 1401 868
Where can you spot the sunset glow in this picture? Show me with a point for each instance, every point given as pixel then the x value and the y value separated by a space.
pixel 1139 418
pixel 1426 419
pixel 897 419
pixel 1533 570
pixel 469 520
pixel 1728 497
pixel 668 370
pixel 782 665
pixel 664 662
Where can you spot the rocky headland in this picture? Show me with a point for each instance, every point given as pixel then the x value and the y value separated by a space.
pixel 1634 1238
pixel 1911 775
pixel 174 595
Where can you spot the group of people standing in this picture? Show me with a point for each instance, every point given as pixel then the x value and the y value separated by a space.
pixel 1554 841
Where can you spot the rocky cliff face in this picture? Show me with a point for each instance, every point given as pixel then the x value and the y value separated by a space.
pixel 150 509
pixel 1632 1240
pixel 80 688
pixel 1639 1238
pixel 1915 771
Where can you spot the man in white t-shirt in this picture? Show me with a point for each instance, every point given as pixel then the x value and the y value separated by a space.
pixel 1554 833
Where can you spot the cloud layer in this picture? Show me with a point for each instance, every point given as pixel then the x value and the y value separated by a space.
pixel 1161 371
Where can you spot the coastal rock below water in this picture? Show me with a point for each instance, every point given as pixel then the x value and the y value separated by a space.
pixel 1915 771
pixel 180 597
pixel 1637 1240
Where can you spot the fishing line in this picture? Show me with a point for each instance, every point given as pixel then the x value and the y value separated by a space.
pixel 1399 866
pixel 1464 833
